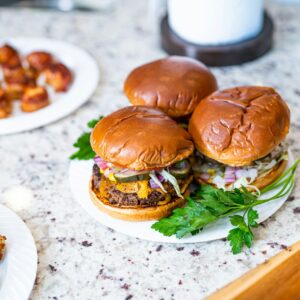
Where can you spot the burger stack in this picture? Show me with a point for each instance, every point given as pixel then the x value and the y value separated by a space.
pixel 181 128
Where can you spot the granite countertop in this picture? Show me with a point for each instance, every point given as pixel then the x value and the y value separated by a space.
pixel 78 257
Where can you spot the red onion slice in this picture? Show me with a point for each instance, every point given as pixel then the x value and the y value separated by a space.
pixel 153 185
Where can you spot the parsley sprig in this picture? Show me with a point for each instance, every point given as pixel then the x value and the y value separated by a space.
pixel 85 151
pixel 209 204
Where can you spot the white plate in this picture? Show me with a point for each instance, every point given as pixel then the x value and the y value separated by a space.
pixel 86 76
pixel 79 176
pixel 19 265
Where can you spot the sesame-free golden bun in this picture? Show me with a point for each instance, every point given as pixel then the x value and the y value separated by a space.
pixel 140 138
pixel 240 125
pixel 175 84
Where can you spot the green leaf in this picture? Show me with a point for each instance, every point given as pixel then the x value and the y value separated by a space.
pixel 236 220
pixel 215 206
pixel 248 197
pixel 92 123
pixel 165 226
pixel 248 238
pixel 85 151
pixel 252 216
pixel 239 222
pixel 186 220
pixel 236 239
pixel 195 232
pixel 242 234
pixel 228 198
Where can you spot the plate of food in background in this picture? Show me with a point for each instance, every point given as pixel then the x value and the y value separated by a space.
pixel 41 81
pixel 18 257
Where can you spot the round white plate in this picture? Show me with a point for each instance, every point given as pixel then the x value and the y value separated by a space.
pixel 79 176
pixel 19 265
pixel 86 76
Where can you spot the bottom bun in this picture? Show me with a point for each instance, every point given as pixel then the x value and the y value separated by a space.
pixel 137 214
pixel 261 182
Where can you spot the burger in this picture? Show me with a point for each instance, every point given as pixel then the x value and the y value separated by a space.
pixel 174 84
pixel 239 135
pixel 142 170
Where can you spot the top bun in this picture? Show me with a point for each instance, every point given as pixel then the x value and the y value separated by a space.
pixel 239 125
pixel 140 138
pixel 174 84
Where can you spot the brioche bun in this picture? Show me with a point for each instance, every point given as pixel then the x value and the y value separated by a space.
pixel 136 214
pixel 140 138
pixel 174 84
pixel 240 125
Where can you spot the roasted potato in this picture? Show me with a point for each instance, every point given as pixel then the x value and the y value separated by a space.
pixel 2 246
pixel 14 91
pixel 34 98
pixel 5 108
pixel 59 77
pixel 31 74
pixel 14 75
pixel 39 60
pixel 9 56
pixel 16 80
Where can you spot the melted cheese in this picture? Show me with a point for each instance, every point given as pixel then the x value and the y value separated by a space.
pixel 140 187
pixel 104 187
pixel 112 178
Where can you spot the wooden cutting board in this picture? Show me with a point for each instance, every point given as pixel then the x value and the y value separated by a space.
pixel 276 279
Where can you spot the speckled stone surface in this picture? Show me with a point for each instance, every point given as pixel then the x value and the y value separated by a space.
pixel 78 257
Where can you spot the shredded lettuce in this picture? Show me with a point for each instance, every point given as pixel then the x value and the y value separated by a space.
pixel 243 182
pixel 167 176
pixel 284 156
pixel 156 180
pixel 219 181
pixel 244 175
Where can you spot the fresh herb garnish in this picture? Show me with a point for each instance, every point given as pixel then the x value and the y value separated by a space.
pixel 209 204
pixel 242 234
pixel 85 151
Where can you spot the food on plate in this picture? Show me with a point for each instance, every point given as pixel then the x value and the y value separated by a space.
pixel 5 105
pixel 34 98
pixel 142 169
pixel 174 84
pixel 143 162
pixel 18 75
pixel 14 91
pixel 21 79
pixel 39 60
pixel 9 56
pixel 31 74
pixel 16 80
pixel 59 77
pixel 239 134
pixel 2 246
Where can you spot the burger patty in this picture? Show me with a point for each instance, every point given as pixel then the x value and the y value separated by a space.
pixel 118 198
